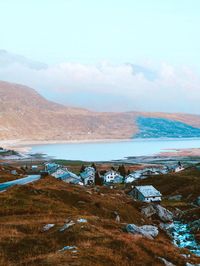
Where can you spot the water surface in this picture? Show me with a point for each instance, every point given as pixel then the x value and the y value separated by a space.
pixel 106 151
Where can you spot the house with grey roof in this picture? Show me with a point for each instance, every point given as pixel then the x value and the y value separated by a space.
pixel 146 193
pixel 88 175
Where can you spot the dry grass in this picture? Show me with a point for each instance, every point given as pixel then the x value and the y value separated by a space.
pixel 101 241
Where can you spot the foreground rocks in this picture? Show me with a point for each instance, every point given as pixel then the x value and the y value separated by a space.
pixel 148 231
pixel 156 209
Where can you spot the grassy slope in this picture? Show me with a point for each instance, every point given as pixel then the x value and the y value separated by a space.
pixel 26 209
pixel 186 183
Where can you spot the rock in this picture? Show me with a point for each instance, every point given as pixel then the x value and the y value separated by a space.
pixel 117 219
pixel 47 227
pixel 81 202
pixel 166 262
pixel 148 231
pixel 166 226
pixel 164 214
pixel 198 201
pixel 175 197
pixel 66 226
pixel 71 248
pixel 195 225
pixel 148 211
pixel 81 220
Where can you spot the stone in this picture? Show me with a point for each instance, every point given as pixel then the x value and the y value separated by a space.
pixel 66 226
pixel 175 197
pixel 47 227
pixel 71 248
pixel 148 231
pixel 82 220
pixel 198 201
pixel 166 262
pixel 148 211
pixel 164 214
pixel 195 225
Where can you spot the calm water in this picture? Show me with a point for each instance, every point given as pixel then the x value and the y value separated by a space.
pixel 113 150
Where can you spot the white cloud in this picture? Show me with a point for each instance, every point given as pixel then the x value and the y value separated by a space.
pixel 111 87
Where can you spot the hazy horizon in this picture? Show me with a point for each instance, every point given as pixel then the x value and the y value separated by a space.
pixel 105 56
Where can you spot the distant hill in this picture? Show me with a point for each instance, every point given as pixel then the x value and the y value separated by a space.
pixel 161 127
pixel 26 115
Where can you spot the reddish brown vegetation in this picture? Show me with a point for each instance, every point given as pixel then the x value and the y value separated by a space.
pixel 26 209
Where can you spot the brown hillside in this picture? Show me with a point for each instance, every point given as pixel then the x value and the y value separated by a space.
pixel 25 115
pixel 101 241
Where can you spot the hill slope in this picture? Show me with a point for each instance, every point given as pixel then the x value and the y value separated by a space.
pixel 100 241
pixel 25 115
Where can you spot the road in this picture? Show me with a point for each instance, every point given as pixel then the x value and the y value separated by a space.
pixel 21 181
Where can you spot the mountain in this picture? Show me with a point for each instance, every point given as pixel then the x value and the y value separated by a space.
pixel 26 115
pixel 7 59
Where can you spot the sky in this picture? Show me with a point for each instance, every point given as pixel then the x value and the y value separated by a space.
pixel 107 55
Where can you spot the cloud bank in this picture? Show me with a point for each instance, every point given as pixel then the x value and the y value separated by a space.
pixel 108 87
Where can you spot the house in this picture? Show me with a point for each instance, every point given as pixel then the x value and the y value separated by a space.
pixel 179 168
pixel 112 177
pixel 146 193
pixel 67 176
pixel 88 176
pixel 130 178
pixel 51 167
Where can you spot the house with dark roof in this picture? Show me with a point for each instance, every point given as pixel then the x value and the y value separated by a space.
pixel 146 193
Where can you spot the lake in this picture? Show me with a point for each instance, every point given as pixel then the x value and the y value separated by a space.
pixel 106 151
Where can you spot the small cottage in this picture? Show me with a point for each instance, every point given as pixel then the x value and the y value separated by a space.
pixel 88 176
pixel 112 177
pixel 146 193
pixel 51 167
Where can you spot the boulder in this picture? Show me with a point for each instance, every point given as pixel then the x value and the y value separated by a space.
pixel 164 214
pixel 148 231
pixel 148 211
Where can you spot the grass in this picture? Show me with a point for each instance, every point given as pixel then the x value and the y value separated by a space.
pixel 101 241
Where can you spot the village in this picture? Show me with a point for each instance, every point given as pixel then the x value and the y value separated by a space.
pixel 88 175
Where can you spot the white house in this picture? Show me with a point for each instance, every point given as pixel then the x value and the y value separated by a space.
pixel 112 177
pixel 146 193
pixel 179 169
pixel 88 176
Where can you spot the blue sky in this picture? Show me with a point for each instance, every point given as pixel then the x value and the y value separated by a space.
pixel 107 55
pixel 89 31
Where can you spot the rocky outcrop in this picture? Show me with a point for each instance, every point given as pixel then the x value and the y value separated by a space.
pixel 148 231
pixel 155 209
pixel 148 211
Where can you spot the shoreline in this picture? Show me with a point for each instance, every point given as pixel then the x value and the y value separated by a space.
pixel 24 146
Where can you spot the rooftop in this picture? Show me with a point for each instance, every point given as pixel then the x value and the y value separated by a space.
pixel 149 191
